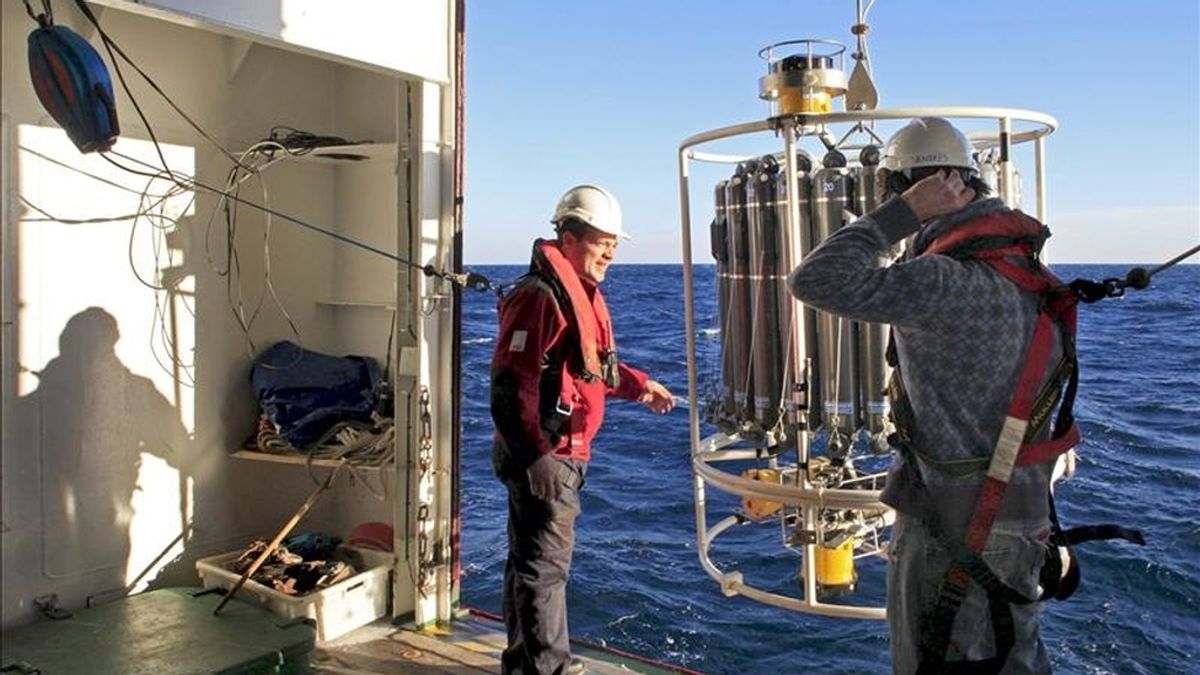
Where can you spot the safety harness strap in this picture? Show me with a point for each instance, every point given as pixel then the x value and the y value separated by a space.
pixel 1037 453
pixel 1011 443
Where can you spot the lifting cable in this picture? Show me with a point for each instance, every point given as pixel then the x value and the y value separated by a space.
pixel 1137 278
pixel 860 30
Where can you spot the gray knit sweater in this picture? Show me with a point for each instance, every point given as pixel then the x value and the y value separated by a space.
pixel 961 334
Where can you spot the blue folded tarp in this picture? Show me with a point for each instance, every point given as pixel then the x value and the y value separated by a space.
pixel 305 393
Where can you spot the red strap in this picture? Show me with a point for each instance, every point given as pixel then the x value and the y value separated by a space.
pixel 1024 278
pixel 1010 447
pixel 1036 361
pixel 1036 453
pixel 986 509
pixel 1060 301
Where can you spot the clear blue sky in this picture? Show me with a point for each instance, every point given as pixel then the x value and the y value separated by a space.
pixel 562 92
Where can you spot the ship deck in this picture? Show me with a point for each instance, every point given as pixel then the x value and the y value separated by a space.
pixel 471 646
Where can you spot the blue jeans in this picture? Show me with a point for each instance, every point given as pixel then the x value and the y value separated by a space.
pixel 917 563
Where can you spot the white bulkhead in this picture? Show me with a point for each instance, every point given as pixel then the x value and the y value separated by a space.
pixel 125 371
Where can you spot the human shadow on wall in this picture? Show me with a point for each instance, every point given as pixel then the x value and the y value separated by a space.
pixel 96 419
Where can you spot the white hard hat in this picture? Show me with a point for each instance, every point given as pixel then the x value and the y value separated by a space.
pixel 593 206
pixel 927 141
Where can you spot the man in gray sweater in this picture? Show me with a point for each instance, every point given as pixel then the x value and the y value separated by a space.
pixel 961 332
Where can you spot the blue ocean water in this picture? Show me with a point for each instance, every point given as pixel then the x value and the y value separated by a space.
pixel 636 581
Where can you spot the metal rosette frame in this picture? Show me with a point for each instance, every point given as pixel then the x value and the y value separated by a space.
pixel 801 496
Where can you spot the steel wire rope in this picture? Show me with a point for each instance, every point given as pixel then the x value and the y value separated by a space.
pixel 860 31
pixel 1173 261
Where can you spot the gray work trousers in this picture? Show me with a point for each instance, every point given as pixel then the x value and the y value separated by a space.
pixel 917 563
pixel 541 538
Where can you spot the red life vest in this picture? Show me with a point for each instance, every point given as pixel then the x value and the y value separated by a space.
pixel 590 316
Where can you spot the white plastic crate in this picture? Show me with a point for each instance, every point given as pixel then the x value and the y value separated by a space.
pixel 337 609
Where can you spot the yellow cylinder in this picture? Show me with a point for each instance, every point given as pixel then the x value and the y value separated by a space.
pixel 757 509
pixel 795 100
pixel 835 566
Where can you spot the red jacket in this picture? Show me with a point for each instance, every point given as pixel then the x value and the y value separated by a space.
pixel 547 389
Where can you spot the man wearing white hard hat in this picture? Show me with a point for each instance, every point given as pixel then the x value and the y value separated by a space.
pixel 555 363
pixel 982 351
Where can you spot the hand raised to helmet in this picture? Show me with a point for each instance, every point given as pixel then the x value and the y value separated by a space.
pixel 940 194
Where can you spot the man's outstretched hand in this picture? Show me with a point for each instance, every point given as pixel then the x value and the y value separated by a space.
pixel 657 398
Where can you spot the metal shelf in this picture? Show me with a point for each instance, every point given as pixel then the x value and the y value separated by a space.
pixel 366 304
pixel 350 155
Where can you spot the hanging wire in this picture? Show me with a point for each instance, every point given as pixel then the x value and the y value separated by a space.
pixel 468 280
pixel 860 30
pixel 472 280
pixel 283 142
pixel 48 217
pixel 111 46
pixel 236 301
pixel 153 208
pixel 46 18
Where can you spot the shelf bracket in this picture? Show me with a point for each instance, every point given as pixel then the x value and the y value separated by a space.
pixel 236 50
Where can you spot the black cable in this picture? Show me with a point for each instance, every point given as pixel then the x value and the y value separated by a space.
pixel 46 18
pixel 47 217
pixel 300 142
pixel 76 169
pixel 472 280
pixel 469 280
pixel 110 46
pixel 170 176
